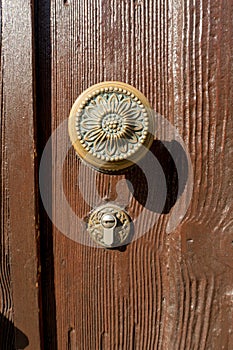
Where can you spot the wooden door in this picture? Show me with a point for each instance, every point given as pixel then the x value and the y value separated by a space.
pixel 165 290
pixel 19 235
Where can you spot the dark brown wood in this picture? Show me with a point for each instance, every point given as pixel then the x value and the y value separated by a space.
pixel 164 291
pixel 19 273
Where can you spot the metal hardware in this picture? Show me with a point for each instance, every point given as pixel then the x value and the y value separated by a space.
pixel 110 126
pixel 109 226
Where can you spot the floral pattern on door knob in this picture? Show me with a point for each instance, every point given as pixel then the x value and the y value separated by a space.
pixel 110 126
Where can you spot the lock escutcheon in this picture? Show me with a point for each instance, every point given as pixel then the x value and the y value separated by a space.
pixel 109 226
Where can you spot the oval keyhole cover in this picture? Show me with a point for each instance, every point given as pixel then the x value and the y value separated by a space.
pixel 110 126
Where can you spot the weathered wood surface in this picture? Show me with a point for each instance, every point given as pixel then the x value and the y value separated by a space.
pixel 164 291
pixel 19 301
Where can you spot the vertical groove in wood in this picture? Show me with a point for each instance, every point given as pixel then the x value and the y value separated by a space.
pixel 43 70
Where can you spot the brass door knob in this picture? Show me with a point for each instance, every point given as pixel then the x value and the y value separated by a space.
pixel 110 126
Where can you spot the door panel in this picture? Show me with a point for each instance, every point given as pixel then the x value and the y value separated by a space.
pixel 164 290
pixel 19 232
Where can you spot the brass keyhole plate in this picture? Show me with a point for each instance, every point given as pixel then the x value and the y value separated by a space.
pixel 109 226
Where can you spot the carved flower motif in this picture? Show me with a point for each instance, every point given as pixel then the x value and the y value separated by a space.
pixel 112 126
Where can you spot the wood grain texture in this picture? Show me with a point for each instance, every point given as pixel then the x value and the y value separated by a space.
pixel 163 291
pixel 19 300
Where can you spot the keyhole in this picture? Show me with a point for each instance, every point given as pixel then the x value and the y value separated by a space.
pixel 109 223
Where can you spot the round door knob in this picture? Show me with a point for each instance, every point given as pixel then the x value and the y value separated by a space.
pixel 110 226
pixel 110 126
